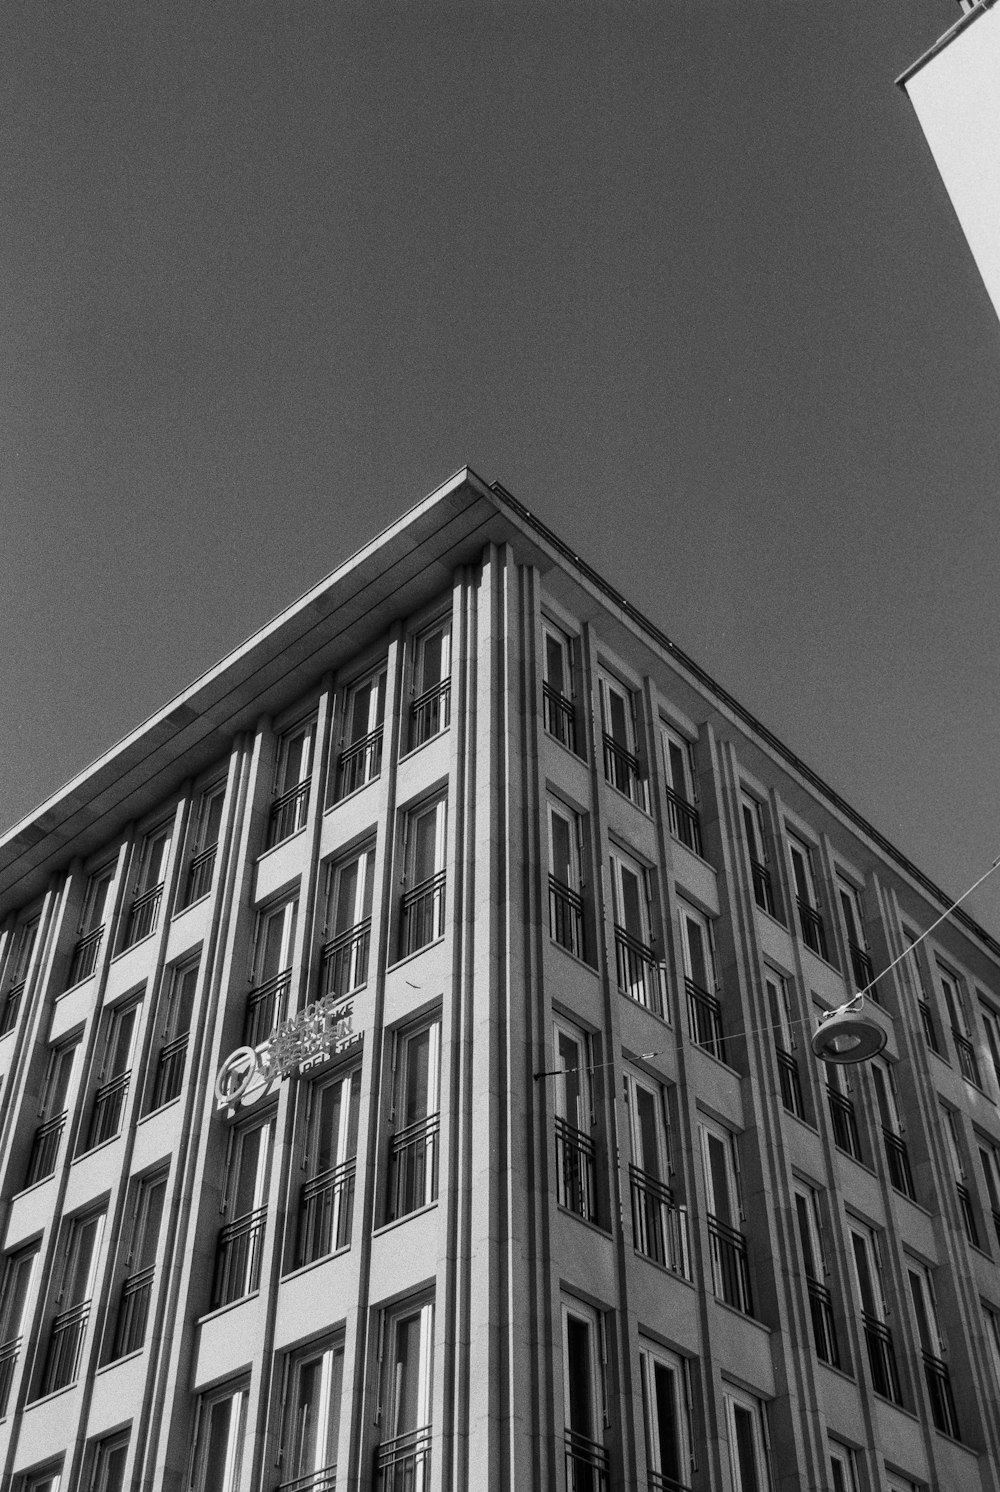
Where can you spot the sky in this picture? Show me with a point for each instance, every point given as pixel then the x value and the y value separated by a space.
pixel 684 278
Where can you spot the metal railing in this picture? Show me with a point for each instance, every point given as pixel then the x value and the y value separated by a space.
pixel 813 931
pixel 730 1267
pixel 198 881
pixel 559 717
pixel 587 1464
pixel 823 1326
pixel 566 917
pixel 62 1360
pixel 45 1148
pixel 763 891
pixel 169 1071
pixel 575 1170
pixel 938 1381
pixel 106 1115
pixel 359 764
pixel 403 1464
pixel 927 1022
pixel 238 1258
pixel 11 1008
pixel 142 916
pixel 656 1481
pixel 288 814
pixel 659 1225
pixel 344 960
pixel 413 1166
pixel 898 1160
pixel 845 1125
pixel 882 1359
pixel 423 914
pixel 326 1211
pixel 705 1017
pixel 621 769
pixel 133 1312
pixel 684 821
pixel 863 970
pixel 996 1222
pixel 8 1362
pixel 967 1062
pixel 639 975
pixel 84 960
pixel 265 1008
pixel 430 713
pixel 791 1083
pixel 968 1214
pixel 322 1480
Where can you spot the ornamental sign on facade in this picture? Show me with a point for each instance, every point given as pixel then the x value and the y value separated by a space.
pixel 295 1045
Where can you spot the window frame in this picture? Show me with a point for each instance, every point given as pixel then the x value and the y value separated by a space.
pixel 755 1409
pixel 295 1413
pixel 235 1393
pixel 651 1357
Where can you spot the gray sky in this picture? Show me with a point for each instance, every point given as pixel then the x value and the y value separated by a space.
pixel 684 278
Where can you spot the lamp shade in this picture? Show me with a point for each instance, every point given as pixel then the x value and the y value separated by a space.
pixel 848 1036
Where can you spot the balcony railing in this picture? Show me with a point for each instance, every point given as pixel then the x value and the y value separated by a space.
pixel 622 770
pixel 198 881
pixel 659 1225
pixel 763 891
pixel 968 1215
pixel 266 1006
pixel 823 1325
pixel 882 1359
pixel 84 960
pixel 996 1222
pixel 730 1267
pixel 344 960
pixel 106 1116
pixel 359 764
pixel 639 975
pixel 8 1362
pixel 566 917
pixel 813 931
pixel 587 1464
pixel 169 1071
pixel 11 1008
pixel 657 1482
pixel 413 1166
pixel 791 1083
pixel 430 713
pixel 575 1170
pixel 423 914
pixel 966 1057
pixel 705 1017
pixel 142 915
pixel 45 1148
pixel 927 1022
pixel 288 814
pixel 684 822
pixel 323 1480
pixel 942 1399
pixel 238 1257
pixel 62 1361
pixel 898 1160
pixel 559 716
pixel 326 1210
pixel 845 1125
pixel 404 1464
pixel 133 1312
pixel 863 970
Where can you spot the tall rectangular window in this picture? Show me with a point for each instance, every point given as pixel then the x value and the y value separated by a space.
pixel 681 789
pixel 896 1153
pixel 936 1374
pixel 78 1279
pixel 843 1120
pixel 640 975
pixel 666 1419
pixel 144 912
pixel 730 1262
pixel 406 1363
pixel 109 1458
pixel 312 1423
pixel 558 702
pixel 202 846
pixel 622 768
pixel 991 1317
pixel 52 1113
pixel 222 1417
pixel 173 1024
pixel 704 1006
pixel 348 923
pixel 91 927
pixel 843 1471
pixel 48 1480
pixel 989 1159
pixel 271 977
pixel 292 774
pixel 991 1026
pixel 807 897
pixel 757 840
pixel 566 860
pixel 575 1160
pixel 241 1240
pixel 659 1224
pixel 114 1072
pixel 18 1271
pixel 857 944
pixel 954 999
pixel 20 946
pixel 747 1433
pixel 422 914
pixel 808 1222
pixel 866 1257
pixel 140 1240
pixel 955 1144
pixel 785 1025
pixel 430 708
pixel 584 1399
pixel 413 1156
pixel 326 1203
pixel 360 759
pixel 916 986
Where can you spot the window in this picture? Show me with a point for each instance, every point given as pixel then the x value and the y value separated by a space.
pixel 91 929
pixel 406 1353
pixel 747 1431
pixel 142 1237
pixel 148 894
pixel 48 1480
pixel 755 829
pixel 896 1153
pixel 558 706
pixel 991 1026
pixel 666 1419
pixel 20 946
pixel 241 1240
pixel 704 1007
pixel 784 1023
pixel 857 944
pixel 267 1002
pixel 110 1456
pixel 575 1168
pixel 430 710
pixel 913 980
pixel 423 908
pixel 843 1471
pixel 81 1252
pixel 221 1431
pixel 18 1270
pixel 808 1223
pixel 52 1113
pixel 584 1399
pixel 621 761
pixel 682 794
pixel 640 976
pixel 312 1426
pixel 204 842
pixel 955 1145
pixel 989 1157
pixel 843 1120
pixel 344 962
pixel 807 897
pixel 121 1025
pixel 992 1320
pixel 171 1036
pixel 566 860
pixel 936 1374
pixel 416 1117
pixel 730 1264
pixel 326 1202
pixel 954 999
pixel 659 1226
pixel 360 760
pixel 866 1257
pixel 292 773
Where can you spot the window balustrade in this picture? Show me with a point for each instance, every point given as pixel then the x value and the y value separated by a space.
pixel 882 1359
pixel 288 814
pixel 575 1170
pixel 705 1017
pixel 968 1214
pixel 323 1480
pixel 62 1360
pixel 730 1265
pixel 559 717
pixel 587 1464
pixel 133 1313
pixel 106 1115
pixel 9 1353
pixel 238 1258
pixel 326 1211
pixel 142 915
pixel 198 879
pixel 423 912
pixel 413 1166
pixel 813 931
pixel 659 1225
pixel 266 1005
pixel 84 959
pixel 566 917
pixel 938 1380
pixel 11 1008
pixel 823 1325
pixel 169 1071
pixel 344 961
pixel 430 713
pixel 403 1464
pixel 763 890
pixel 845 1124
pixel 863 970
pixel 639 975
pixel 684 821
pixel 45 1148
pixel 359 764
pixel 968 1065
pixel 898 1160
pixel 791 1083
pixel 621 769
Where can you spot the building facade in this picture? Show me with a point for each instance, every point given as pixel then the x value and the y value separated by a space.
pixel 406 1078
